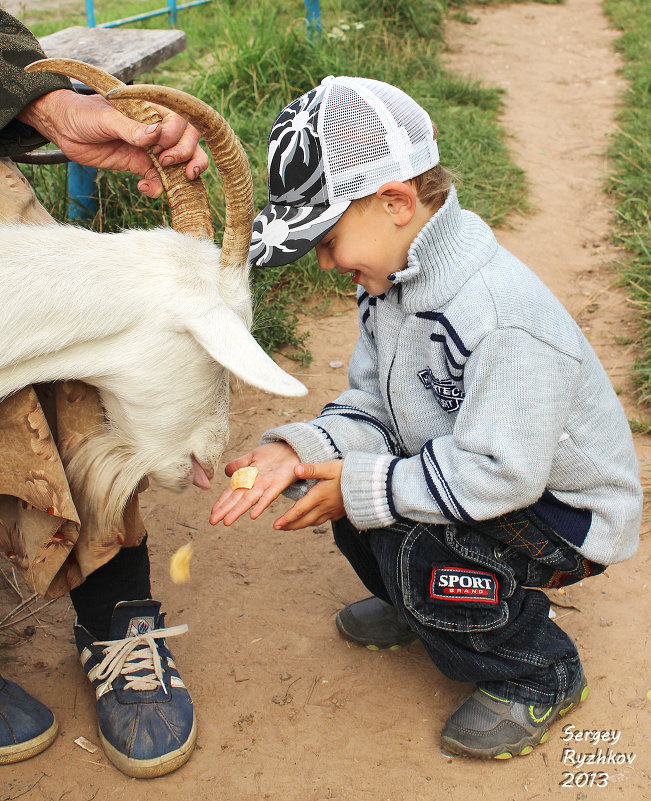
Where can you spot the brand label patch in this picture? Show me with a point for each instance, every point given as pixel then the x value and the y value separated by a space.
pixel 461 584
pixel 447 393
pixel 140 625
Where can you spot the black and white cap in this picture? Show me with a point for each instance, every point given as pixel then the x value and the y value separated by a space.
pixel 341 141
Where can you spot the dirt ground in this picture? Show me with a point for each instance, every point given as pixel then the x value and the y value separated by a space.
pixel 286 709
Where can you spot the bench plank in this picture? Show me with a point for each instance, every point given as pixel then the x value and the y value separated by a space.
pixel 124 53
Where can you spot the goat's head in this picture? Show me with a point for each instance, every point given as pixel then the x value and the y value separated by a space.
pixel 168 426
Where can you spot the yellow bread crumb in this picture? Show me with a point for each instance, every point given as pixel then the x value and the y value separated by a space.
pixel 244 477
pixel 180 564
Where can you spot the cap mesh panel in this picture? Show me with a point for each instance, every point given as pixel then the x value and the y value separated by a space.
pixel 372 133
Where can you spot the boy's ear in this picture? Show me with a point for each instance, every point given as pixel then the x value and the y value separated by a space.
pixel 399 200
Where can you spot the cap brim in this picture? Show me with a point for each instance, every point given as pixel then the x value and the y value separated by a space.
pixel 282 234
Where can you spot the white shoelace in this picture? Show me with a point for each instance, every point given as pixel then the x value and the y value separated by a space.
pixel 132 654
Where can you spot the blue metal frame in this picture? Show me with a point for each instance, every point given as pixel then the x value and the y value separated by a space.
pixel 313 17
pixel 82 192
pixel 171 10
pixel 82 197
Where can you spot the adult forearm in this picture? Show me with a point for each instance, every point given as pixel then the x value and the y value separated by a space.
pixel 18 47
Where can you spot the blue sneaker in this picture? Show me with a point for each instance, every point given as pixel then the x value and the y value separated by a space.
pixel 144 713
pixel 27 726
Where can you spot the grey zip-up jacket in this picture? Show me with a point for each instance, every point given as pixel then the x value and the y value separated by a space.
pixel 473 393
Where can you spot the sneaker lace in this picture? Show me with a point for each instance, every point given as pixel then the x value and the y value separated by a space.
pixel 134 654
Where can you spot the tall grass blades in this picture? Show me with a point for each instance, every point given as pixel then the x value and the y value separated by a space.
pixel 630 182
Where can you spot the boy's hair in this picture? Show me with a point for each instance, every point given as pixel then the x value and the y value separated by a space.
pixel 432 187
pixel 338 143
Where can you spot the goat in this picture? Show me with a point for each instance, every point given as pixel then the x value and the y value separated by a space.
pixel 153 319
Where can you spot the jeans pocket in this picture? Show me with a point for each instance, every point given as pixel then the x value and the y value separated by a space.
pixel 451 580
pixel 538 556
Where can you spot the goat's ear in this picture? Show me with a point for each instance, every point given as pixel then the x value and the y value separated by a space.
pixel 227 339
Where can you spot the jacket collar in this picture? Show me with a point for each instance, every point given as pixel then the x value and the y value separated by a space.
pixel 447 251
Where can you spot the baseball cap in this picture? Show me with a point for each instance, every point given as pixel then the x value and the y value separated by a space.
pixel 340 141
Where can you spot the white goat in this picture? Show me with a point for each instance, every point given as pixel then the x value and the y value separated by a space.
pixel 152 319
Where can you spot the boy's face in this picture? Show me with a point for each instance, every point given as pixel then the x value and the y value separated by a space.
pixel 371 239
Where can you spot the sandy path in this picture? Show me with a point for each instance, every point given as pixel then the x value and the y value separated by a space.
pixel 288 711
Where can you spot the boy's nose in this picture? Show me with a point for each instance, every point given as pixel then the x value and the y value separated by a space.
pixel 323 257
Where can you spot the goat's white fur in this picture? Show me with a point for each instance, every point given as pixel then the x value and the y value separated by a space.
pixel 152 321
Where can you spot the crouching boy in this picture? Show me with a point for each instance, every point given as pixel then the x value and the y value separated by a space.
pixel 480 453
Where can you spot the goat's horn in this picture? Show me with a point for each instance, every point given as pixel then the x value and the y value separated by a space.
pixel 189 206
pixel 230 160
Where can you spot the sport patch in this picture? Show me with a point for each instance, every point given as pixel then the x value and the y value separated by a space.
pixel 448 395
pixel 461 584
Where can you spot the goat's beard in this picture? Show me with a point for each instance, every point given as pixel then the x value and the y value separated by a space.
pixel 104 474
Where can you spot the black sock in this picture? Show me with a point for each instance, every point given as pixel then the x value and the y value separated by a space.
pixel 124 578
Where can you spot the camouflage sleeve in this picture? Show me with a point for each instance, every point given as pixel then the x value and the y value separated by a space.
pixel 18 88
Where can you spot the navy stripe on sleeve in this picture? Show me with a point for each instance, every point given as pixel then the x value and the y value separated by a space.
pixel 392 508
pixel 330 440
pixel 353 413
pixel 438 486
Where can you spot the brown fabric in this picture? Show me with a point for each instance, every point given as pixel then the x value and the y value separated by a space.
pixel 40 529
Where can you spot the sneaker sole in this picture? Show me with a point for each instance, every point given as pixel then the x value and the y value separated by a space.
pixel 150 768
pixel 26 750
pixel 521 748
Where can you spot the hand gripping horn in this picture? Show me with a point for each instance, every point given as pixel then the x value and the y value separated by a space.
pixel 189 207
pixel 228 153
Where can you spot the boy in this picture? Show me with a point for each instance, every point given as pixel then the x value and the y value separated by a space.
pixel 480 450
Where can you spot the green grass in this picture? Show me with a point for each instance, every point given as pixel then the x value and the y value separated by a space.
pixel 248 60
pixel 630 183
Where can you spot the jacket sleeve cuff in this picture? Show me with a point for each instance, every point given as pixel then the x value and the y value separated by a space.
pixel 366 488
pixel 312 444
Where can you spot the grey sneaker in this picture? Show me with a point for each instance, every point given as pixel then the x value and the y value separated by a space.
pixel 488 727
pixel 374 624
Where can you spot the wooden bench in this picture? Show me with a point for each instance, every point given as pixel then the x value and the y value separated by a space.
pixel 124 53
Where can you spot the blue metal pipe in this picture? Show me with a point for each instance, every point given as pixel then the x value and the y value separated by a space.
pixel 82 192
pixel 90 14
pixel 172 14
pixel 313 17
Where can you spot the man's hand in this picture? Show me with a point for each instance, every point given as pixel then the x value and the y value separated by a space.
pixel 322 503
pixel 275 462
pixel 90 131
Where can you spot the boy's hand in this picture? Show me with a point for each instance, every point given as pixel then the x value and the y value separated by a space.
pixel 275 462
pixel 322 503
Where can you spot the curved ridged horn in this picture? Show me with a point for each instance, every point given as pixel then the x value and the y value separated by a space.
pixel 230 160
pixel 189 206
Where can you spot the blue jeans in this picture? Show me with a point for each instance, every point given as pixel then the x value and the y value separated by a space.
pixel 465 591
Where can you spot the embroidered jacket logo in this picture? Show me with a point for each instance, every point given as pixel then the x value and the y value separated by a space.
pixel 447 393
pixel 462 584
